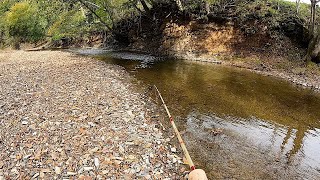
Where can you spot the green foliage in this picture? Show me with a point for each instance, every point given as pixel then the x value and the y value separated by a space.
pixel 23 23
pixel 33 20
pixel 70 24
pixel 4 7
pixel 112 12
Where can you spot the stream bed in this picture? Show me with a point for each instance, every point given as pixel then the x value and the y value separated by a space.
pixel 270 128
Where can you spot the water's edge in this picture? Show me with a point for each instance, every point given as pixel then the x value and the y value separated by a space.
pixel 299 80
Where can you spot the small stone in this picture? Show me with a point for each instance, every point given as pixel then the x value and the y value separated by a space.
pixel 80 171
pixel 138 169
pixel 131 171
pixel 131 157
pixel 37 156
pixel 82 177
pixel 137 142
pixel 117 162
pixel 147 176
pixel 83 117
pixel 45 170
pixel 174 160
pixel 104 172
pixel 98 118
pixel 54 155
pixel 14 171
pixel 57 170
pixel 121 149
pixel 173 149
pixel 27 156
pixel 129 143
pixel 96 162
pixel 71 173
pixel 87 168
pixel 41 175
pixel 130 113
pixel 119 158
pixel 182 169
pixel 94 150
pixel 35 175
pixel 91 124
pixel 69 161
pixel 148 145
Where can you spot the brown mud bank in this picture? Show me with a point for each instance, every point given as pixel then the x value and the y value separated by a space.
pixel 275 55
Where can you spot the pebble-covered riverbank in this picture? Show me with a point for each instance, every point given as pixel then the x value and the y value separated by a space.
pixel 68 117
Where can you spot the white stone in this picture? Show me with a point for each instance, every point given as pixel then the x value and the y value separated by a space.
pixel 57 170
pixel 132 157
pixel 87 168
pixel 15 171
pixel 174 160
pixel 104 172
pixel 71 173
pixel 96 162
pixel 173 149
pixel 91 124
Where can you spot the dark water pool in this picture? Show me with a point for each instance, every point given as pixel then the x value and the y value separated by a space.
pixel 271 129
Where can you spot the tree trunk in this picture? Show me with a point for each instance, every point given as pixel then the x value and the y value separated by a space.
pixel 312 22
pixel 207 6
pixel 179 4
pixel 313 52
pixel 313 7
pixel 298 6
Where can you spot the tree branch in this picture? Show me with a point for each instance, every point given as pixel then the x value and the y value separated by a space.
pixel 145 6
pixel 93 12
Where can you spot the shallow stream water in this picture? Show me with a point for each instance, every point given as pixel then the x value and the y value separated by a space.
pixel 270 128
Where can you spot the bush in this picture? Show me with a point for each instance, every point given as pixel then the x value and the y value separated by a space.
pixel 23 23
pixel 70 24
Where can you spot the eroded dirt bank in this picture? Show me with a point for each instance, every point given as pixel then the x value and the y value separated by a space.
pixel 269 54
pixel 64 116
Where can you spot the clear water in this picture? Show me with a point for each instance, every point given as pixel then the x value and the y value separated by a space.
pixel 271 129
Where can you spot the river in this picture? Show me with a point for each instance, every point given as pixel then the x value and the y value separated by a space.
pixel 270 129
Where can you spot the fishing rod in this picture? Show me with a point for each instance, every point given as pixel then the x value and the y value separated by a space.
pixel 198 174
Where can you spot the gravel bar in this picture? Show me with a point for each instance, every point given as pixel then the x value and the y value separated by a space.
pixel 65 116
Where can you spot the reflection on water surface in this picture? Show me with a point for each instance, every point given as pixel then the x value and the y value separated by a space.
pixel 271 128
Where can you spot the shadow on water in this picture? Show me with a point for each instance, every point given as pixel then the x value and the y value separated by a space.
pixel 271 129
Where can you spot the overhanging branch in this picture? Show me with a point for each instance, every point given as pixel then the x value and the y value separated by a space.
pixel 93 12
